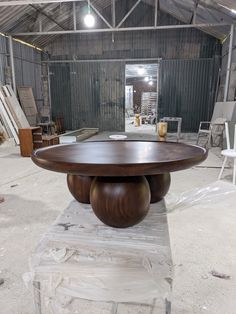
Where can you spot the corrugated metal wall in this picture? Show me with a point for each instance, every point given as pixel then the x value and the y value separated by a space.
pixel 89 94
pixel 3 59
pixel 186 89
pixel 61 93
pixel 97 88
pixel 167 44
pixel 28 69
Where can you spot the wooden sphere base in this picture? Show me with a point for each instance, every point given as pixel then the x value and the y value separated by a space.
pixel 120 201
pixel 159 186
pixel 79 187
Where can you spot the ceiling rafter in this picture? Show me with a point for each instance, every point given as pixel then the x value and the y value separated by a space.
pixel 194 15
pixel 67 20
pixel 33 2
pixel 128 13
pixel 124 29
pixel 184 18
pixel 100 15
pixel 41 11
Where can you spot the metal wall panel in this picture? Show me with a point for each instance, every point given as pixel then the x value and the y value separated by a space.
pixel 167 44
pixel 188 72
pixel 60 86
pixel 89 94
pixel 28 69
pixel 187 90
pixel 3 59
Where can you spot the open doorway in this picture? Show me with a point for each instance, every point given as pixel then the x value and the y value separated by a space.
pixel 141 97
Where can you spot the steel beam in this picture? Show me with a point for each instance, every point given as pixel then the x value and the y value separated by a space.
pixel 184 19
pixel 193 19
pixel 100 15
pixel 128 14
pixel 102 60
pixel 227 79
pixel 74 16
pixel 41 11
pixel 155 17
pixel 113 13
pixel 125 29
pixel 12 64
pixel 40 23
pixel 27 2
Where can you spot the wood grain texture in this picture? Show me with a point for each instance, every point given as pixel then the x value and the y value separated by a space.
pixel 120 202
pixel 79 187
pixel 126 158
pixel 159 186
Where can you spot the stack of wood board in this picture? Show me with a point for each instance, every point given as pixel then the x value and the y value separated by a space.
pixel 3 130
pixel 11 115
pixel 28 103
pixel 148 103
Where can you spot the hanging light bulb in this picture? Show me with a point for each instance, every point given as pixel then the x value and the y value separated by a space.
pixel 141 71
pixel 89 19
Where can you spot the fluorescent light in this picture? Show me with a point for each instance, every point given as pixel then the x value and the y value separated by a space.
pixel 146 79
pixel 233 11
pixel 141 71
pixel 89 20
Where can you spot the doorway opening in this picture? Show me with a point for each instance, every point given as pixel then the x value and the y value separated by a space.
pixel 141 97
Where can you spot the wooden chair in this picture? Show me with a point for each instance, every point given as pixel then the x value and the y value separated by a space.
pixel 229 152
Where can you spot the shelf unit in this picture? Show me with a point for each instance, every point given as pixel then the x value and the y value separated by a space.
pixel 30 139
pixel 148 103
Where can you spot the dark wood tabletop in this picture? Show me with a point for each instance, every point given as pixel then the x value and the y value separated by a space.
pixel 119 158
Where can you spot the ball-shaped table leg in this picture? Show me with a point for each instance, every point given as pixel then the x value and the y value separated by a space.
pixel 79 187
pixel 120 201
pixel 159 186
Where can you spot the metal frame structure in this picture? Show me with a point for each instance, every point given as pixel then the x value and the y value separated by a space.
pixel 115 26
pixel 116 29
pixel 227 79
pixel 112 26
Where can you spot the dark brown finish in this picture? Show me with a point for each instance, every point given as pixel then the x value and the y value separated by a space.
pixel 120 193
pixel 159 186
pixel 120 202
pixel 79 187
pixel 30 139
pixel 126 158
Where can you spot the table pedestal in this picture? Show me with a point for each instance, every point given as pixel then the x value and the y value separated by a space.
pixel 159 186
pixel 120 201
pixel 79 187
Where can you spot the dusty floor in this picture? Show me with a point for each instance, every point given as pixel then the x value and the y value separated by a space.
pixel 201 240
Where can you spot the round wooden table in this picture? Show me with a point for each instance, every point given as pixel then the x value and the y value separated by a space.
pixel 119 179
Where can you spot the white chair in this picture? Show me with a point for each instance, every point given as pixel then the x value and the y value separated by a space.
pixel 212 131
pixel 229 153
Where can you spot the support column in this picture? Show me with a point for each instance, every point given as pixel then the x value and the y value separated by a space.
pixel 12 64
pixel 229 63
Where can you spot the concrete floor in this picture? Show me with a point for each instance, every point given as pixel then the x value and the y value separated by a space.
pixel 202 238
